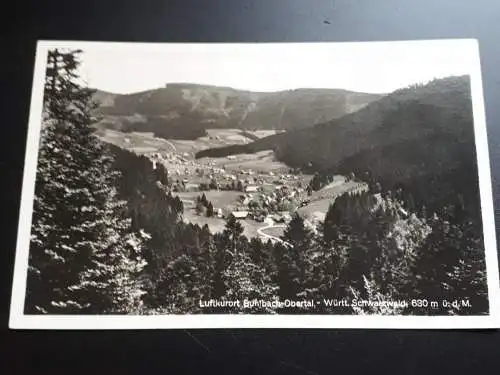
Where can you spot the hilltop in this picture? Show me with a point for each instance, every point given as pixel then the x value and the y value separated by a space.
pixel 184 110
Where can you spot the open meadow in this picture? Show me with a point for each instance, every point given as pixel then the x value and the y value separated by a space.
pixel 263 162
pixel 217 225
pixel 225 199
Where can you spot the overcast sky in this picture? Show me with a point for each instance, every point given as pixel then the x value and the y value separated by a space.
pixel 378 67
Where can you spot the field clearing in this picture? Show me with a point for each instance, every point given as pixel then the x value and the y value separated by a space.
pixel 217 225
pixel 268 188
pixel 144 150
pixel 262 133
pixel 145 135
pixel 250 228
pixel 138 142
pixel 274 231
pixel 228 135
pixel 315 210
pixel 334 189
pixel 220 199
pixel 321 200
pixel 215 138
pixel 337 180
pixel 263 161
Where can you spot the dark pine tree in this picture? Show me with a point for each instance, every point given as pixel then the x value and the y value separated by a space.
pixel 84 257
pixel 451 266
pixel 210 209
pixel 301 248
pixel 188 277
pixel 244 279
pixel 204 200
pixel 233 235
pixel 227 244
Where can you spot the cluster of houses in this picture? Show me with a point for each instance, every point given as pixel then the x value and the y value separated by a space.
pixel 261 192
pixel 279 217
pixel 263 205
pixel 180 164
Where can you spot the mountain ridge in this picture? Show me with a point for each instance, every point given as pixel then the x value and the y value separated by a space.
pixel 200 106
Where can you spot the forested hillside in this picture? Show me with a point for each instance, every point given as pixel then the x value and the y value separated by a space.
pixel 185 110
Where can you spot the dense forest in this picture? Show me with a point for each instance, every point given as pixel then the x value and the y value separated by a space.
pixel 109 237
pixel 186 127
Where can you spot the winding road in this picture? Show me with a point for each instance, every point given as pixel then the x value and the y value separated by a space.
pixel 270 237
pixel 170 144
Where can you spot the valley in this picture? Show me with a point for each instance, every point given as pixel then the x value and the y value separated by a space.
pixel 261 191
pixel 413 137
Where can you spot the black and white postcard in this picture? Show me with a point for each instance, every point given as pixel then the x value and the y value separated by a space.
pixel 259 185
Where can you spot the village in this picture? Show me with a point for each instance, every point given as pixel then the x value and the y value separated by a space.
pixel 262 200
pixel 261 192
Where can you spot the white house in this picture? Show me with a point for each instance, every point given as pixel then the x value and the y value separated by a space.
pixel 240 214
pixel 192 187
pixel 251 189
pixel 285 216
pixel 269 220
pixel 403 212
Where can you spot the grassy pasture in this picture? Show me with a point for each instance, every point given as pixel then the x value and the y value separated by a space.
pixel 274 231
pixel 216 224
pixel 220 199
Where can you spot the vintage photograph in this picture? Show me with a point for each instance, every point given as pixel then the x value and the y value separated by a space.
pixel 257 182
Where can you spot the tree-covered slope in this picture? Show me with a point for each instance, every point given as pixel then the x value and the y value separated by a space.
pixel 187 108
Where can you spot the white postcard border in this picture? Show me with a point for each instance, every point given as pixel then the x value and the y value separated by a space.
pixel 18 320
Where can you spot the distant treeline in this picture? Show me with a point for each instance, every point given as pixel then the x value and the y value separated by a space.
pixel 250 135
pixel 267 143
pixel 183 128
